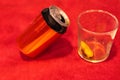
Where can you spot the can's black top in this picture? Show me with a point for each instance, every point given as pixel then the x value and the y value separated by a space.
pixel 52 23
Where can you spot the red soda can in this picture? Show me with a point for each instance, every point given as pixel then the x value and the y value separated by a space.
pixel 45 29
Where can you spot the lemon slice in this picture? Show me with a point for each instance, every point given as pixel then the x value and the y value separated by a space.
pixel 86 49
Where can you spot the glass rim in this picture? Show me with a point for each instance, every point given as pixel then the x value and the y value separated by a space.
pixel 99 11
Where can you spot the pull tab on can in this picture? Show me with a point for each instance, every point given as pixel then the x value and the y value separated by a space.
pixel 45 29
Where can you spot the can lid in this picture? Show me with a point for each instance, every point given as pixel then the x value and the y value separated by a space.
pixel 59 16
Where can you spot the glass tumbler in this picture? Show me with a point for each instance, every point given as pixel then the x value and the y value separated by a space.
pixel 96 32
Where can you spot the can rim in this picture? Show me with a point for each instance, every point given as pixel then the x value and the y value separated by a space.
pixel 57 13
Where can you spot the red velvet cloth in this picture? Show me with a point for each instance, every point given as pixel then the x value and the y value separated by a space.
pixel 60 61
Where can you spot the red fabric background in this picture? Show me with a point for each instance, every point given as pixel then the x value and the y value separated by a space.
pixel 60 61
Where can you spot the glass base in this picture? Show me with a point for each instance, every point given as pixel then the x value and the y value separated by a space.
pixel 92 60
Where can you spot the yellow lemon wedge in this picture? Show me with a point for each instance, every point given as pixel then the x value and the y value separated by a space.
pixel 87 51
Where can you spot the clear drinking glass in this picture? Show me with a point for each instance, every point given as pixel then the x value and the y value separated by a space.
pixel 97 30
